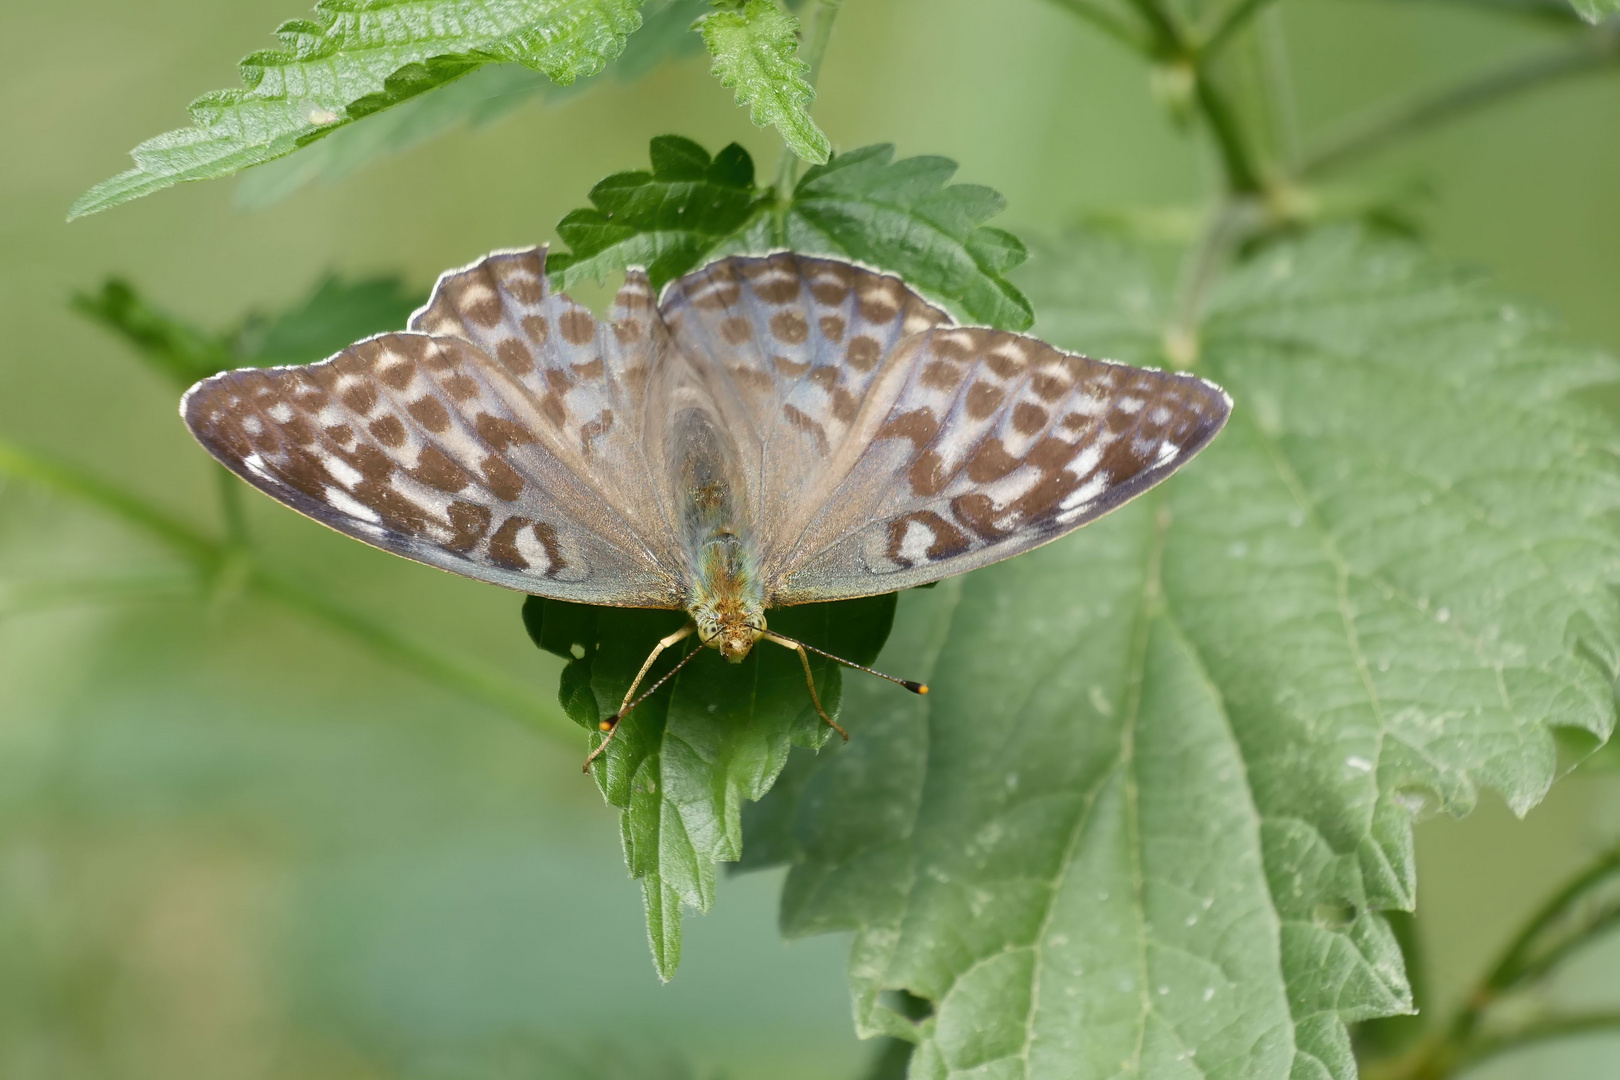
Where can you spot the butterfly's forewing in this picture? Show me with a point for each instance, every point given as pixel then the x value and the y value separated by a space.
pixel 503 443
pixel 901 449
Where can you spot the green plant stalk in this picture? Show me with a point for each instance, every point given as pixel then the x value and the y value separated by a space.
pixel 787 171
pixel 209 557
pixel 1235 18
pixel 1561 1027
pixel 1108 23
pixel 48 595
pixel 231 508
pixel 1596 49
pixel 66 480
pixel 1242 176
pixel 1446 1053
pixel 1170 46
pixel 1516 966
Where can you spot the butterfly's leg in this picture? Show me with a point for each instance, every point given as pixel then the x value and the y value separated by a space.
pixel 611 724
pixel 809 680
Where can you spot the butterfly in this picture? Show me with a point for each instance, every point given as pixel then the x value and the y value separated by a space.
pixel 775 430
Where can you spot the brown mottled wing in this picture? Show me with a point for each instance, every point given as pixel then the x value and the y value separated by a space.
pixel 500 439
pixel 994 444
pixel 954 448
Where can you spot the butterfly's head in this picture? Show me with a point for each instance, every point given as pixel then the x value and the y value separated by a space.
pixel 733 631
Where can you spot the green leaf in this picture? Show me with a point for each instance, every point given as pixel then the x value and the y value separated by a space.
pixel 902 216
pixel 1595 11
pixel 756 52
pixel 666 220
pixel 1163 784
pixel 685 760
pixel 358 57
pixel 907 217
pixel 174 347
pixel 336 314
pixel 481 98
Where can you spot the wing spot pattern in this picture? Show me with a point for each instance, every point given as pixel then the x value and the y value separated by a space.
pixel 789 327
pixel 923 536
pixel 1028 419
pixel 470 522
pixel 388 431
pixel 501 434
pixel 515 356
pixel 942 375
pixel 430 413
pixel 460 387
pixel 501 478
pixel 863 353
pixel 436 470
pixel 577 326
pixel 983 400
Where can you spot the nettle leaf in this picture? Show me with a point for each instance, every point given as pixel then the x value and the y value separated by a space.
pixel 756 52
pixel 907 217
pixel 901 216
pixel 685 760
pixel 1146 820
pixel 358 57
pixel 665 220
pixel 477 100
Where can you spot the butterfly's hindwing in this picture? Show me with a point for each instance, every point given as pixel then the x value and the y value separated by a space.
pixel 801 342
pixel 474 459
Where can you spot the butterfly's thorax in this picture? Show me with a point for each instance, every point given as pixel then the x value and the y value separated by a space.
pixel 725 595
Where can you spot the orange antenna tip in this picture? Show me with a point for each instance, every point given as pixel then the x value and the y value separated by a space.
pixel 915 687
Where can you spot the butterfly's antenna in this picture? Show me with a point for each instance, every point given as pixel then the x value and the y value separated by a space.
pixel 611 724
pixel 914 687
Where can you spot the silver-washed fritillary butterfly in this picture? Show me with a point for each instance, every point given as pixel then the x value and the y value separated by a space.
pixel 776 431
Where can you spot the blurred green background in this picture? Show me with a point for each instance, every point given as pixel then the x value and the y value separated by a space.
pixel 233 844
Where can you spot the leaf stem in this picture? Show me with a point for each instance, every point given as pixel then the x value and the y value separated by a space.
pixel 1517 963
pixel 1233 20
pixel 210 557
pixel 509 696
pixel 1170 47
pixel 787 169
pixel 67 480
pixel 230 504
pixel 820 34
pixel 1229 225
pixel 1560 1027
pixel 1596 48
pixel 1448 1051
pixel 1242 177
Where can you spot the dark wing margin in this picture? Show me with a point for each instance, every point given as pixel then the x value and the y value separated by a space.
pixel 990 444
